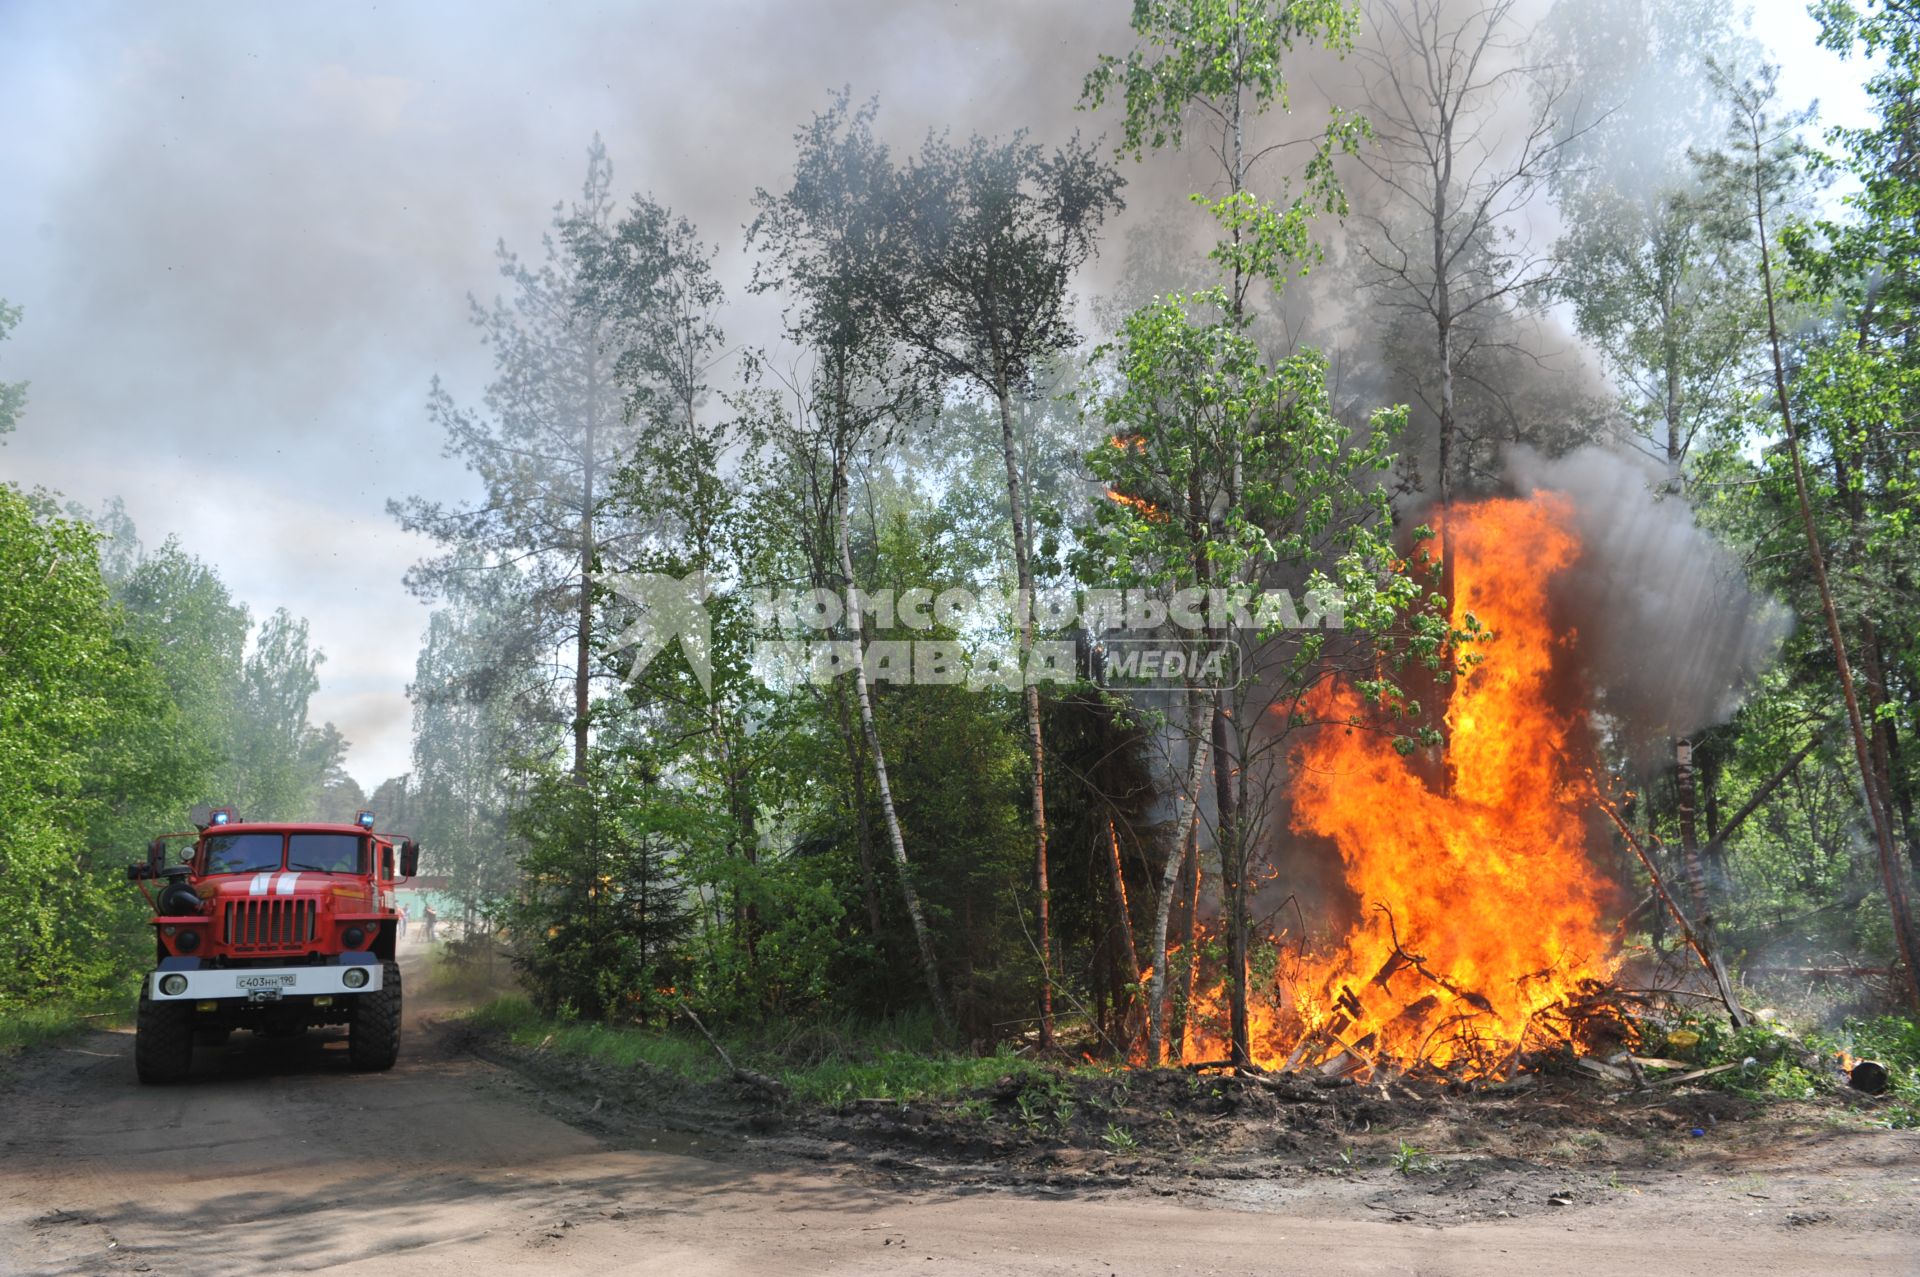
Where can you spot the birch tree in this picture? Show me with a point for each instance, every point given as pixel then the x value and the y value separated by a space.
pixel 1213 68
pixel 990 235
pixel 1465 137
pixel 825 247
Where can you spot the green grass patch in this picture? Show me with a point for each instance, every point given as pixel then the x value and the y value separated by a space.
pixel 46 1022
pixel 822 1062
pixel 1775 1065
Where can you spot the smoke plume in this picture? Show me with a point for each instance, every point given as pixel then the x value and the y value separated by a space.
pixel 1669 635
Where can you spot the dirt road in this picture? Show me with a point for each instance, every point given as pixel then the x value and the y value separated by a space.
pixel 277 1159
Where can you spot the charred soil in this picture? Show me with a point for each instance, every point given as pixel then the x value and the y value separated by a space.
pixel 1551 1145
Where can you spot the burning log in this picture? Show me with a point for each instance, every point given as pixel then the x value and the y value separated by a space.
pixel 1869 1076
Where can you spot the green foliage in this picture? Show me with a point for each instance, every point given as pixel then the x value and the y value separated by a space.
pixel 601 914
pixel 13 394
pixel 822 1063
pixel 59 1018
pixel 1410 1160
pixel 1206 51
pixel 1200 414
pixel 1223 62
pixel 1775 1064
pixel 85 756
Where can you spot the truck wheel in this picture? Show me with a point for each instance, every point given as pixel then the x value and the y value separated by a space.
pixel 163 1040
pixel 373 1035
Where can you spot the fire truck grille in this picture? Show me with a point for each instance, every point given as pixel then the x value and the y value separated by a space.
pixel 270 924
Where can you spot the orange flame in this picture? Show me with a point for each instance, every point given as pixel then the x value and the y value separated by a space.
pixel 1499 913
pixel 1146 508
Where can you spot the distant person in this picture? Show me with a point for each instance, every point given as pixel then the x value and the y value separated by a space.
pixel 432 920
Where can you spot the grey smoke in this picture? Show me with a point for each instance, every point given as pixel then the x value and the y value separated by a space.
pixel 1669 631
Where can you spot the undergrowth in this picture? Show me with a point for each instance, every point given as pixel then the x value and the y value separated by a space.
pixel 1772 1063
pixel 46 1022
pixel 820 1061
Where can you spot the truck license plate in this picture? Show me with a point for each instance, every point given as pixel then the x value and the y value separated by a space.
pixel 265 988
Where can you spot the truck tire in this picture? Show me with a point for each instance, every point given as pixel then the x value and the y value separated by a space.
pixel 163 1040
pixel 373 1035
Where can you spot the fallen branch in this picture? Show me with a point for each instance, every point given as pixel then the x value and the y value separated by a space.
pixel 1696 1075
pixel 1695 941
pixel 771 1085
pixel 1418 963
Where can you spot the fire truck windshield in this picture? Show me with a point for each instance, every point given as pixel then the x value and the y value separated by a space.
pixel 326 853
pixel 242 853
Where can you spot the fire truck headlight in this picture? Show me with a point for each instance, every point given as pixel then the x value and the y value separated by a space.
pixel 355 978
pixel 353 937
pixel 173 985
pixel 187 941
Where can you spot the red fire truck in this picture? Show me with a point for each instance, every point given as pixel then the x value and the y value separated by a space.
pixel 271 927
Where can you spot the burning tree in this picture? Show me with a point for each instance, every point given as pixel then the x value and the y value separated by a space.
pixel 1200 415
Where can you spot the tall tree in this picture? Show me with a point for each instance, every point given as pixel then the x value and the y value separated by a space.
pixel 1656 274
pixel 1759 162
pixel 87 755
pixel 279 760
pixel 1224 62
pixel 1199 412
pixel 1455 165
pixel 1863 376
pixel 1653 263
pixel 990 235
pixel 544 446
pixel 826 245
pixel 462 761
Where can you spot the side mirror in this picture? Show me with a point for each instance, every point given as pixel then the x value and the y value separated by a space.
pixel 156 860
pixel 409 858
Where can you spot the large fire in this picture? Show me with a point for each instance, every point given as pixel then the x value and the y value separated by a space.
pixel 1484 880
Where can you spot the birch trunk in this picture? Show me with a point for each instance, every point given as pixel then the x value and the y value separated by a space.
pixel 1023 569
pixel 923 937
pixel 1186 825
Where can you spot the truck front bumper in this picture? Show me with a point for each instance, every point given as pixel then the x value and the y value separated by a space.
pixel 261 984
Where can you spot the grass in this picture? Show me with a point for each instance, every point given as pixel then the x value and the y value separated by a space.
pixel 821 1062
pixel 48 1022
pixel 1774 1066
pixel 1411 1160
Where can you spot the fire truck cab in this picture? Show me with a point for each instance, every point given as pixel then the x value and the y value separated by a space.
pixel 272 927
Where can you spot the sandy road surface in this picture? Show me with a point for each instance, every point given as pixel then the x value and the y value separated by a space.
pixel 277 1159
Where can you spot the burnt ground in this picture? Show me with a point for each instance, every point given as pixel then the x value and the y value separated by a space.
pixel 1553 1145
